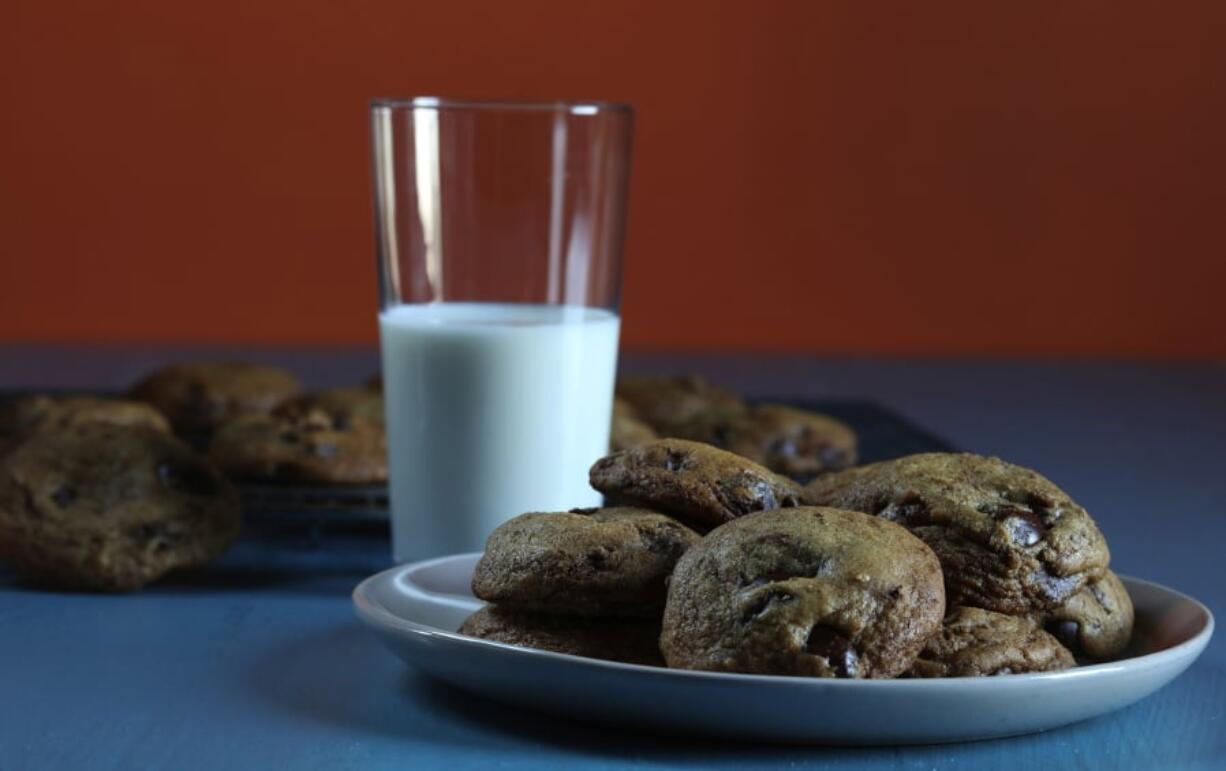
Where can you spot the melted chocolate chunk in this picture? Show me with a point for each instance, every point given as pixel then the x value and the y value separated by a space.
pixel 674 461
pixel 835 648
pixel 1024 525
pixel 763 602
pixel 64 496
pixel 909 511
pixel 1066 632
pixel 326 450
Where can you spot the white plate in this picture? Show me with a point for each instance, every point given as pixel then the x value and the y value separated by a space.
pixel 414 609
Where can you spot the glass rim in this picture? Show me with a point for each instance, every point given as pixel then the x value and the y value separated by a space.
pixel 576 107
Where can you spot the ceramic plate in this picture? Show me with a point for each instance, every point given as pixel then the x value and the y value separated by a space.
pixel 415 608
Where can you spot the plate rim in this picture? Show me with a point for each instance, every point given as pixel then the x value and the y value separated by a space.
pixel 375 614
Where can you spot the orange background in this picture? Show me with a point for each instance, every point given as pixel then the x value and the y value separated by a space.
pixel 950 177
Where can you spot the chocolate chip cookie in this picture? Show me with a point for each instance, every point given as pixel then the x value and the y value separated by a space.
pixel 975 642
pixel 310 447
pixel 198 397
pixel 628 641
pixel 1097 621
pixel 670 403
pixel 784 439
pixel 586 562
pixel 343 405
pixel 27 415
pixel 1009 540
pixel 627 430
pixel 807 591
pixel 699 484
pixel 110 508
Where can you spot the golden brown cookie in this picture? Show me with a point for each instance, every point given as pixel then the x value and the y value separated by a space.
pixel 198 397
pixel 627 430
pixel 1097 621
pixel 310 447
pixel 785 439
pixel 27 415
pixel 1009 540
pixel 807 591
pixel 669 403
pixel 974 642
pixel 586 562
pixel 697 483
pixel 110 508
pixel 625 640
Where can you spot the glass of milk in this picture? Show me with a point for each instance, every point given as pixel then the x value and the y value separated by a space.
pixel 499 231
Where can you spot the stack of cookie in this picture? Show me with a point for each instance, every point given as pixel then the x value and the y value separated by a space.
pixel 785 439
pixel 937 565
pixel 259 426
pixel 589 582
pixel 1013 546
pixel 98 494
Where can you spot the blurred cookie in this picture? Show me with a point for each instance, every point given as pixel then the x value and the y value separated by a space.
pixel 628 641
pixel 627 430
pixel 669 403
pixel 1009 540
pixel 975 642
pixel 198 397
pixel 1097 621
pixel 27 415
pixel 785 439
pixel 586 562
pixel 695 482
pixel 309 447
pixel 343 405
pixel 111 508
pixel 807 591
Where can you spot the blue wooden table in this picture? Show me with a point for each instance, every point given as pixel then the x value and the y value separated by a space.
pixel 262 665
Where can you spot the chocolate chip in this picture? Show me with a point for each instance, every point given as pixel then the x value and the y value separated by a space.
pixel 189 478
pixel 341 422
pixel 591 510
pixel 289 437
pixel 674 461
pixel 909 511
pixel 63 496
pixel 835 648
pixel 1025 527
pixel 1066 632
pixel 326 450
pixel 762 602
pixel 598 558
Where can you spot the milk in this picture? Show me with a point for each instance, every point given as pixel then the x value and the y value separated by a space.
pixel 492 410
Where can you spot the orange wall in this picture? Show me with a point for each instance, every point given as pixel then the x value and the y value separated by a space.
pixel 949 177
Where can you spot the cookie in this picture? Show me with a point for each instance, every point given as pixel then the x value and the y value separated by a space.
pixel 785 439
pixel 1009 540
pixel 807 591
pixel 974 642
pixel 586 562
pixel 1097 621
pixel 309 447
pixel 627 641
pixel 697 483
pixel 343 405
pixel 110 508
pixel 627 430
pixel 669 403
pixel 27 415
pixel 198 397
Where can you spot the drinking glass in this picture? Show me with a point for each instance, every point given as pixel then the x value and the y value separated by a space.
pixel 499 231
